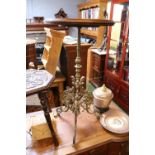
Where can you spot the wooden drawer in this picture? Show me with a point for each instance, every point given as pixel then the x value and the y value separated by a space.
pixel 98 62
pixel 118 148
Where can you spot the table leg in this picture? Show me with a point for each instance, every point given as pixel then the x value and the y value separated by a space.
pixel 44 101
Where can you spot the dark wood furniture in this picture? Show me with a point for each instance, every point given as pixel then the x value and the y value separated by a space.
pixel 30 53
pixel 92 138
pixel 68 60
pixel 37 82
pixel 117 59
pixel 95 66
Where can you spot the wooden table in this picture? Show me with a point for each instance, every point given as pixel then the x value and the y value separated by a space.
pixel 78 81
pixel 92 138
pixel 38 82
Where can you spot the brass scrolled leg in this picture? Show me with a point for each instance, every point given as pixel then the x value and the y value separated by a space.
pixel 75 126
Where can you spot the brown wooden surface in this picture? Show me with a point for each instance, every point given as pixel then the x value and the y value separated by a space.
pixel 90 135
pixel 30 53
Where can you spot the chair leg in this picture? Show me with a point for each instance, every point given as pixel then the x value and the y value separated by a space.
pixel 44 102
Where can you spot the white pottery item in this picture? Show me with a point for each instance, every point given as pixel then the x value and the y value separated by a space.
pixel 102 97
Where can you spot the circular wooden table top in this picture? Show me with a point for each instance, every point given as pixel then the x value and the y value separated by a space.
pixel 75 22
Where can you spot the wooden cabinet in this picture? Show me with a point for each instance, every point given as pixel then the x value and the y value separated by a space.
pixel 98 61
pixel 117 58
pixel 95 66
pixel 94 9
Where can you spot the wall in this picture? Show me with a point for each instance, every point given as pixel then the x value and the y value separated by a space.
pixel 48 8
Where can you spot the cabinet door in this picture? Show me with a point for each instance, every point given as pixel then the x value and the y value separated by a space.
pixel 102 150
pixel 117 58
pixel 117 39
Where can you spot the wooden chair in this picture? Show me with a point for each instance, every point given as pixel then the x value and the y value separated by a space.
pixel 50 58
pixel 52 49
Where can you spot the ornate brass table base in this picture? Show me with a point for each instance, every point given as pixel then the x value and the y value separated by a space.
pixel 77 98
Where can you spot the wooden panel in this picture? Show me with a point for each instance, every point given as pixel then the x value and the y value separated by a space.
pixel 31 55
